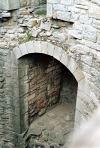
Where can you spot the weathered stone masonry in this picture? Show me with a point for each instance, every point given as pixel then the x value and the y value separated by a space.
pixel 74 41
pixel 42 84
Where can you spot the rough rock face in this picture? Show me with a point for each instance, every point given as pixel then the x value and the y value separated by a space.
pixel 71 33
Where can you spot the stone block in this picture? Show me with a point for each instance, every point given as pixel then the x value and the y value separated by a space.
pixel 53 1
pixel 79 104
pixel 78 117
pixel 76 34
pixel 57 53
pixel 96 23
pixel 81 6
pixel 93 45
pixel 23 49
pixel 90 33
pixel 59 7
pixel 17 52
pixel 85 19
pixel 94 98
pixel 14 59
pixel 83 86
pixel 65 16
pixel 83 96
pixel 30 47
pixel 72 65
pixel 76 126
pixel 67 2
pixel 78 26
pixel 44 47
pixel 96 2
pixel 9 4
pixel 50 49
pixel 60 36
pixel 78 74
pixel 98 38
pixel 49 10
pixel 86 59
pixel 64 58
pixel 93 11
pixel 37 46
pixel 45 26
pixel 81 2
pixel 6 14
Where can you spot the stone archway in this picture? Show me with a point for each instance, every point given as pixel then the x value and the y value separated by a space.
pixel 84 95
pixel 58 53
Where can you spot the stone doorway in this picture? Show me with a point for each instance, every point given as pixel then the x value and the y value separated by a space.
pixel 47 90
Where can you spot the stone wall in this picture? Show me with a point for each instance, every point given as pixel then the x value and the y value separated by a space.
pixel 85 31
pixel 74 42
pixel 39 79
pixel 9 101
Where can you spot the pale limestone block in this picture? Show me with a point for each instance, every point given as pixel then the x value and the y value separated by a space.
pixel 85 19
pixel 78 117
pixel 50 49
pixel 65 16
pixel 96 2
pixel 59 7
pixel 60 36
pixel 37 46
pixel 94 98
pixel 79 104
pixel 78 74
pixel 72 65
pixel 8 58
pixel 17 52
pixel 9 4
pixel 94 11
pixel 90 33
pixel 29 46
pixel 83 121
pixel 13 58
pixel 86 59
pixel 44 47
pixel 83 96
pixel 76 34
pixel 78 26
pixel 85 7
pixel 57 53
pixel 67 2
pixel 64 58
pixel 49 10
pixel 23 49
pixel 45 26
pixel 82 2
pixel 53 1
pixel 74 17
pixel 96 23
pixel 83 86
pixel 98 38
pixel 93 45
pixel 76 126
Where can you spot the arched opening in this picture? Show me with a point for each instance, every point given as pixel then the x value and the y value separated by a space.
pixel 47 92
